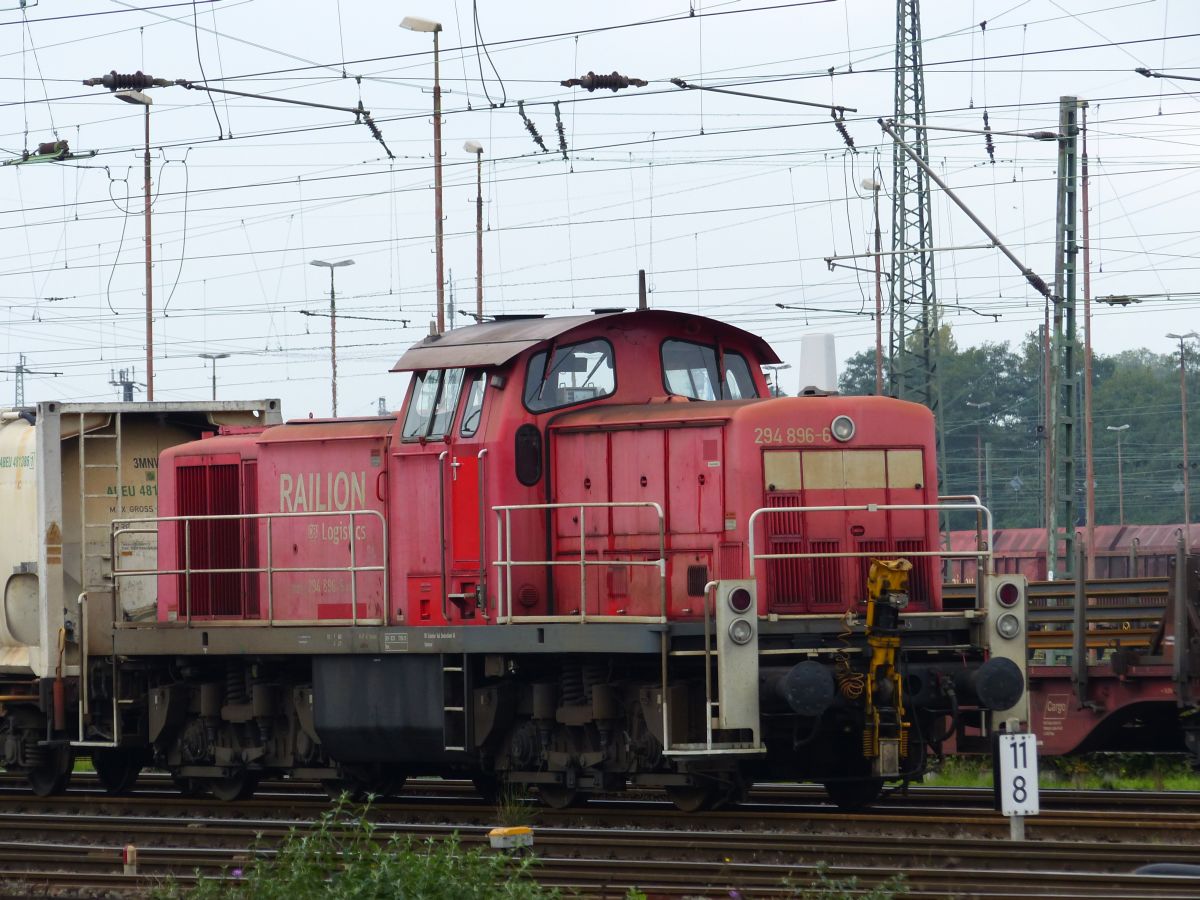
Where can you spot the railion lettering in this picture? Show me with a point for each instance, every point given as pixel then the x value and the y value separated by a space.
pixel 322 491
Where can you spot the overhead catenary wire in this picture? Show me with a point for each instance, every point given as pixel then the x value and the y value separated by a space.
pixel 665 161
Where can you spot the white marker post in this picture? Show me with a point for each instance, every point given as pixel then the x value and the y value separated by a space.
pixel 1015 776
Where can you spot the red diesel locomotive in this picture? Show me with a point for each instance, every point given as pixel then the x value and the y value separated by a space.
pixel 588 552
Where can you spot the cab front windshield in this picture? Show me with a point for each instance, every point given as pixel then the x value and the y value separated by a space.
pixel 432 404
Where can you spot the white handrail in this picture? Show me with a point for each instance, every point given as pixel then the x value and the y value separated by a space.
pixel 505 562
pixel 122 527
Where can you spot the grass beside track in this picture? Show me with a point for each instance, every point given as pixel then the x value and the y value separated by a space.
pixel 1093 771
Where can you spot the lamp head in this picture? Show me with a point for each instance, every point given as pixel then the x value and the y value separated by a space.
pixel 135 97
pixel 331 265
pixel 415 23
pixel 473 147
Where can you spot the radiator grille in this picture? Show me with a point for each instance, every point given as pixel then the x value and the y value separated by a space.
pixel 250 586
pixel 205 491
pixel 826 572
pixel 785 577
pixel 920 580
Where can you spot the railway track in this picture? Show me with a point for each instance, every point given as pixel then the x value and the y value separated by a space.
pixel 160 785
pixel 1085 845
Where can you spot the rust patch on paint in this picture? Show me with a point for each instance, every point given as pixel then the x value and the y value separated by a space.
pixel 53 545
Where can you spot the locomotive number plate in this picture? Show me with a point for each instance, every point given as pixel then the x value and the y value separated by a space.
pixel 779 434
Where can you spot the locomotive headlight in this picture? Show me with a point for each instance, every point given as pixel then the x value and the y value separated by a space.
pixel 740 631
pixel 842 428
pixel 1008 626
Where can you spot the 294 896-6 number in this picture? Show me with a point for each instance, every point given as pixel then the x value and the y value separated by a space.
pixel 794 435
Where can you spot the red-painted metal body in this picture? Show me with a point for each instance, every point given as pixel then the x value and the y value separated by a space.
pixel 629 439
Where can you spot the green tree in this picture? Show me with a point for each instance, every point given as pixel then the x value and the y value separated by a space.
pixel 993 410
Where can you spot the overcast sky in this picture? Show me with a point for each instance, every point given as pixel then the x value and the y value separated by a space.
pixel 730 203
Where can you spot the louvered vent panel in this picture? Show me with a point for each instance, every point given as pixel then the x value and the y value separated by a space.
pixel 250 586
pixel 826 574
pixel 191 539
pixel 224 491
pixel 202 491
pixel 785 577
pixel 731 561
pixel 920 579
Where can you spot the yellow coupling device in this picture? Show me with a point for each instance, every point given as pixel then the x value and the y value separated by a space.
pixel 885 737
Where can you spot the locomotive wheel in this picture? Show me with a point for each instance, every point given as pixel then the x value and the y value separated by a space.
pixel 487 787
pixel 556 796
pixel 117 769
pixel 732 792
pixel 690 798
pixel 354 791
pixel 388 785
pixel 853 795
pixel 52 776
pixel 232 787
pixel 360 784
pixel 188 787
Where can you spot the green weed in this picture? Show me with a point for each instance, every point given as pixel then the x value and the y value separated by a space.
pixel 340 857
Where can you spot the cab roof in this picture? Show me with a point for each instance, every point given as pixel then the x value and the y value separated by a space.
pixel 496 343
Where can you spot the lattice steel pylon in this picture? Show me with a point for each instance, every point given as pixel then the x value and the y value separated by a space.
pixel 913 328
pixel 1061 507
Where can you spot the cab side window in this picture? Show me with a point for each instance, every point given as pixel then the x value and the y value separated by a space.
pixel 473 406
pixel 576 374
pixel 738 383
pixel 690 370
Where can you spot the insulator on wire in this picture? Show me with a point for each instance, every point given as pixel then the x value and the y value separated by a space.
pixel 530 127
pixel 138 81
pixel 839 122
pixel 614 82
pixel 987 139
pixel 562 134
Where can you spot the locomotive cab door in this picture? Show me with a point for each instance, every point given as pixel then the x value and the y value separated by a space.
pixel 437 498
pixel 465 482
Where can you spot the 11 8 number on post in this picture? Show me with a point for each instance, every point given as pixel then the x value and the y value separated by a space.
pixel 1018 774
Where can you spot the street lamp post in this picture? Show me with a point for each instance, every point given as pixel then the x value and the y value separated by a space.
pixel 1187 505
pixel 477 148
pixel 138 98
pixel 413 23
pixel 873 186
pixel 320 263
pixel 213 357
pixel 1119 429
pixel 773 370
